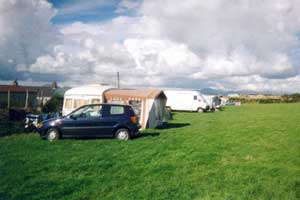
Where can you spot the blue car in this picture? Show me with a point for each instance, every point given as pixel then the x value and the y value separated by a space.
pixel 94 120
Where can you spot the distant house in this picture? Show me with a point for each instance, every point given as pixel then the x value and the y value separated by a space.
pixel 45 92
pixel 18 97
pixel 234 95
pixel 25 97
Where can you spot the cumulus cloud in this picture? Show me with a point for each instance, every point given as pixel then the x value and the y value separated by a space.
pixel 25 33
pixel 251 44
pixel 234 37
pixel 126 6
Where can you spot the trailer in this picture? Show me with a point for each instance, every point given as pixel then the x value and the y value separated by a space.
pixel 83 95
pixel 213 101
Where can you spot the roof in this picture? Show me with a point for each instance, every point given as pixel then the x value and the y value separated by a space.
pixel 44 90
pixel 14 88
pixel 182 91
pixel 139 93
pixel 94 89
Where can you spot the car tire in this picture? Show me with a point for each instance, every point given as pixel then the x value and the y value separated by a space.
pixel 200 110
pixel 122 134
pixel 52 134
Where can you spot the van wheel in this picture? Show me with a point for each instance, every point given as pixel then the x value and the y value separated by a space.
pixel 122 134
pixel 52 134
pixel 200 110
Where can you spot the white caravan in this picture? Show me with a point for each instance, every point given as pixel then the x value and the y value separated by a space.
pixel 213 101
pixel 186 100
pixel 79 96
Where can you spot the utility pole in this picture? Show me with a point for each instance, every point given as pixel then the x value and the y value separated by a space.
pixel 118 79
pixel 8 99
pixel 27 99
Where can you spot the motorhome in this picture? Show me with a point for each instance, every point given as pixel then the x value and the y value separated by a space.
pixel 186 100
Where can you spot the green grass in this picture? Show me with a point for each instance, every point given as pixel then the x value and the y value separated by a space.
pixel 247 152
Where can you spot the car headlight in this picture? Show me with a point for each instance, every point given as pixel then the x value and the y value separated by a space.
pixel 39 125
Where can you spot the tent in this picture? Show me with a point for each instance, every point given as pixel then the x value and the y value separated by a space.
pixel 149 104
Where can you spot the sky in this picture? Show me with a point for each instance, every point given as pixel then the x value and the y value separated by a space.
pixel 249 45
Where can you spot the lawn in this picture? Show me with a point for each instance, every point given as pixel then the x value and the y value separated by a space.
pixel 247 152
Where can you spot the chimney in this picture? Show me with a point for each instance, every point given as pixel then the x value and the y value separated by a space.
pixel 54 85
pixel 15 82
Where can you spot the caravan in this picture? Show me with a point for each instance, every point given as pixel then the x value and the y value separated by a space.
pixel 83 95
pixel 213 101
pixel 186 100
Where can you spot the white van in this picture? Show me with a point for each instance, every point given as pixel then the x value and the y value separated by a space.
pixel 186 100
pixel 83 95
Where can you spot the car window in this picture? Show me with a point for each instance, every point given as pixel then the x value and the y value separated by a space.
pixel 116 110
pixel 88 111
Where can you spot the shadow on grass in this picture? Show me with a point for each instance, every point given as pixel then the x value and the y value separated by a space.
pixel 141 135
pixel 144 135
pixel 173 125
pixel 221 109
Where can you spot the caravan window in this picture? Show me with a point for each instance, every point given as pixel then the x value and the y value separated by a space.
pixel 95 101
pixel 80 102
pixel 195 97
pixel 68 103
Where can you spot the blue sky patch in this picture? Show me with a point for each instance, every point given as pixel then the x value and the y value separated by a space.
pixel 86 11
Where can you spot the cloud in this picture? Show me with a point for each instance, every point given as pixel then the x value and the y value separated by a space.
pixel 126 6
pixel 251 44
pixel 234 37
pixel 25 33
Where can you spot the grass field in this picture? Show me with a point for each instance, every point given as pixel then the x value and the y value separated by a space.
pixel 247 152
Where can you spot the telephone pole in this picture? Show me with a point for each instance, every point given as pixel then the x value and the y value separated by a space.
pixel 118 79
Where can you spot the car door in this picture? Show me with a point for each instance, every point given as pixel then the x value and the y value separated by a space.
pixel 89 123
pixel 113 116
pixel 68 127
pixel 195 103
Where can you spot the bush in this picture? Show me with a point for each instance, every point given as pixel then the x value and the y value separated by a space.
pixel 8 127
pixel 55 104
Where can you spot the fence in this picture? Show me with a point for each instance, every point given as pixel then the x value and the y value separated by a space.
pixel 11 122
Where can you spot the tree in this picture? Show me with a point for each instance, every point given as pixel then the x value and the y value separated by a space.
pixel 55 104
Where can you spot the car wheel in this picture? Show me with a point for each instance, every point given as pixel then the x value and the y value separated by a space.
pixel 52 134
pixel 200 110
pixel 122 134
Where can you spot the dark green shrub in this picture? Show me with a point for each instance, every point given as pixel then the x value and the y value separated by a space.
pixel 55 104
